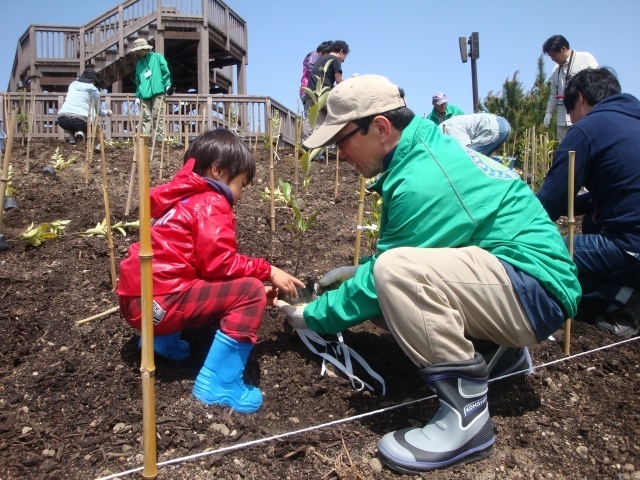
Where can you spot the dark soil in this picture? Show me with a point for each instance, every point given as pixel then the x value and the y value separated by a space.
pixel 70 395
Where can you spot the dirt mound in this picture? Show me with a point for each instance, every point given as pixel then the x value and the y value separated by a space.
pixel 70 396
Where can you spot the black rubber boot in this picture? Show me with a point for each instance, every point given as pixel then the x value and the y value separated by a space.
pixel 504 362
pixel 460 432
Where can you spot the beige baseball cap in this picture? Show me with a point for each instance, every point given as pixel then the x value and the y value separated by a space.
pixel 356 97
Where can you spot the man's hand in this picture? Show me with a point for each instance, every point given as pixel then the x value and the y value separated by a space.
pixel 109 113
pixel 137 102
pixel 294 313
pixel 547 120
pixel 335 277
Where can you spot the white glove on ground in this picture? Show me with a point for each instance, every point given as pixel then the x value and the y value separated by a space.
pixel 547 120
pixel 294 313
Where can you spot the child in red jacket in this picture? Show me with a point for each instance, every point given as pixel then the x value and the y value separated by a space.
pixel 198 276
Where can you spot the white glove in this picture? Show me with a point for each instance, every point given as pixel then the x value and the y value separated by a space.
pixel 294 313
pixel 137 102
pixel 337 276
pixel 547 120
pixel 109 113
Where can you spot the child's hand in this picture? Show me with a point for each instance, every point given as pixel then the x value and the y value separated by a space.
pixel 272 295
pixel 285 282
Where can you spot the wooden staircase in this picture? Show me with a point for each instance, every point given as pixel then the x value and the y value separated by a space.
pixel 201 39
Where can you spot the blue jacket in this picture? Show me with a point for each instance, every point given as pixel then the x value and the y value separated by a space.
pixel 607 164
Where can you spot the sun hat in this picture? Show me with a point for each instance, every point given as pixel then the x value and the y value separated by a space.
pixel 439 98
pixel 141 44
pixel 356 97
pixel 91 76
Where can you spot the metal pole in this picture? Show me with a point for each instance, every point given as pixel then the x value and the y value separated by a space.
pixel 474 84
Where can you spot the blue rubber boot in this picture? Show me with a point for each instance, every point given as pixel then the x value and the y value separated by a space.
pixel 170 347
pixel 220 379
pixel 460 432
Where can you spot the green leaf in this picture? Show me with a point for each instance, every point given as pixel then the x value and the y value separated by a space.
pixel 305 163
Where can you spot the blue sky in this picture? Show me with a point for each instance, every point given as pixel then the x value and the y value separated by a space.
pixel 412 42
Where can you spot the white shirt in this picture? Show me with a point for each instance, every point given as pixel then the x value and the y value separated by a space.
pixel 580 61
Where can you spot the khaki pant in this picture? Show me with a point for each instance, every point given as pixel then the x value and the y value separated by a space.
pixel 153 116
pixel 432 297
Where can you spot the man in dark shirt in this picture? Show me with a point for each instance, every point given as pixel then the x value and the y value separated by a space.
pixel 606 140
pixel 328 74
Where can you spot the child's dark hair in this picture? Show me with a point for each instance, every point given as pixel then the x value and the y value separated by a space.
pixel 224 149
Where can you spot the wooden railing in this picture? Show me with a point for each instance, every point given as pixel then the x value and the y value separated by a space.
pixel 54 43
pixel 247 115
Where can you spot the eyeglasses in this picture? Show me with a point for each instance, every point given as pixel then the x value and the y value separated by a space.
pixel 350 134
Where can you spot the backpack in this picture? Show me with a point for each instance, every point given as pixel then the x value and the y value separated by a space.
pixel 307 66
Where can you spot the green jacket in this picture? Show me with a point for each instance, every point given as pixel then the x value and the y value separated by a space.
pixel 438 194
pixel 451 111
pixel 155 83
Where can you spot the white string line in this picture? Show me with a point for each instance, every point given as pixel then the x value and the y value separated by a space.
pixel 353 418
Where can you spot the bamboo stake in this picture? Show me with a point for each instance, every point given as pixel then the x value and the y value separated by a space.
pixel 296 167
pixel 134 167
pixel 534 158
pixel 337 186
pixel 164 132
pixel 30 127
pixel 356 250
pixel 4 180
pixel 272 179
pixel 545 153
pixel 107 214
pixel 571 221
pixel 525 168
pixel 147 365
pixel 99 315
pixel 93 128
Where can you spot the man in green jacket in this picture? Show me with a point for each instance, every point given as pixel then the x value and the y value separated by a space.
pixel 441 109
pixel 153 81
pixel 468 270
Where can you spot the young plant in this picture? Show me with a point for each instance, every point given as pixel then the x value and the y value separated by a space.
pixel 318 95
pixel 301 223
pixel 371 223
pixel 101 228
pixel 10 191
pixel 59 162
pixel 45 231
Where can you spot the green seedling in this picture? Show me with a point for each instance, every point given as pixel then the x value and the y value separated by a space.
pixel 101 228
pixel 372 221
pixel 10 191
pixel 45 231
pixel 319 96
pixel 59 162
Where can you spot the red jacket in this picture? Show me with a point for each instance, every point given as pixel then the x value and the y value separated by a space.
pixel 193 237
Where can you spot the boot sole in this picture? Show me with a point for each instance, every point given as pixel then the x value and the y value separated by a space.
pixel 226 401
pixel 474 457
